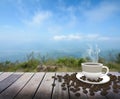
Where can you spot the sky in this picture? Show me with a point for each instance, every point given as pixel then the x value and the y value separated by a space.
pixel 49 24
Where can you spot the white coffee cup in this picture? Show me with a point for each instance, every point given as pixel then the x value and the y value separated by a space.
pixel 93 70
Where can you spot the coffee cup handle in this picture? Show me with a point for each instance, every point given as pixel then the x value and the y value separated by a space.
pixel 107 69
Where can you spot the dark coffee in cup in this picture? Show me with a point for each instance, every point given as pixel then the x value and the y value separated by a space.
pixel 93 70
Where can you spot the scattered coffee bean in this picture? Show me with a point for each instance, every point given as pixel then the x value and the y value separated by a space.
pixel 83 88
pixel 71 89
pixel 106 88
pixel 104 93
pixel 98 80
pixel 53 85
pixel 64 88
pixel 74 90
pixel 114 86
pixel 92 93
pixel 53 76
pixel 60 80
pixel 77 94
pixel 118 78
pixel 90 80
pixel 115 90
pixel 83 78
pixel 109 74
pixel 85 91
pixel 74 85
pixel 62 85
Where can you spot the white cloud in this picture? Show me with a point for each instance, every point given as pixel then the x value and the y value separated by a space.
pixel 39 18
pixel 88 37
pixel 54 29
pixel 88 12
pixel 59 37
pixel 91 36
pixel 101 12
pixel 67 37
pixel 104 38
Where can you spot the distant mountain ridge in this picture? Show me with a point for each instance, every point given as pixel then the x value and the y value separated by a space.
pixel 22 55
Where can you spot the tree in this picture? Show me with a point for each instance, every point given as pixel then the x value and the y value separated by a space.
pixel 118 58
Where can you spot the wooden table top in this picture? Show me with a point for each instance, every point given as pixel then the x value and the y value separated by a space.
pixel 39 85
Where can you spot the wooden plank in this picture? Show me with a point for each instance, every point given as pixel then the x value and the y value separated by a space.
pixel 1 73
pixel 14 89
pixel 111 94
pixel 72 94
pixel 15 85
pixel 9 81
pixel 108 96
pixel 45 89
pixel 99 96
pixel 82 95
pixel 96 96
pixel 29 90
pixel 115 73
pixel 5 75
pixel 58 93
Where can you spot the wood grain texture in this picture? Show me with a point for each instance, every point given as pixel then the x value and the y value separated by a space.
pixel 72 94
pixel 58 93
pixel 14 89
pixel 5 75
pixel 31 85
pixel 45 89
pixel 4 84
pixel 111 94
pixel 1 73
pixel 28 91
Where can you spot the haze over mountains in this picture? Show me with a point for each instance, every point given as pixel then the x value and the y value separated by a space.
pixel 58 27
pixel 54 51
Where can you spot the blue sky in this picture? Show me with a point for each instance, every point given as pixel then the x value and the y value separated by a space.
pixel 28 24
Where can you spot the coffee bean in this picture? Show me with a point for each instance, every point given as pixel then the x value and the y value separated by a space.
pixel 118 86
pixel 72 84
pixel 53 76
pixel 106 88
pixel 64 88
pixel 60 79
pixel 85 91
pixel 90 80
pixel 75 85
pixel 104 93
pixel 71 89
pixel 62 85
pixel 77 89
pixel 74 90
pixel 100 79
pixel 92 93
pixel 83 78
pixel 68 85
pixel 115 90
pixel 53 85
pixel 77 94
pixel 119 78
pixel 113 77
pixel 114 86
pixel 109 74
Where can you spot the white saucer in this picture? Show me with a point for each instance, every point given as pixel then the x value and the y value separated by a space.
pixel 106 78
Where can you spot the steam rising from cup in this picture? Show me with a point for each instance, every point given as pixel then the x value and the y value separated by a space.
pixel 93 53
